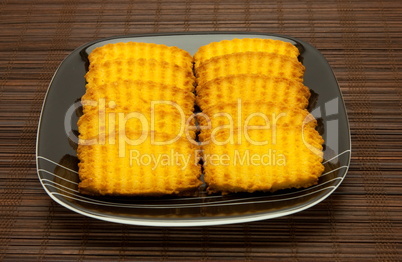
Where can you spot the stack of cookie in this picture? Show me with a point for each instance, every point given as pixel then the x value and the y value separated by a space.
pixel 134 135
pixel 257 134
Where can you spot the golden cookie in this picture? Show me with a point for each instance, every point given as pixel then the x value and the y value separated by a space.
pixel 96 124
pixel 249 115
pixel 130 96
pixel 136 50
pixel 226 47
pixel 263 160
pixel 140 69
pixel 251 87
pixel 260 63
pixel 135 166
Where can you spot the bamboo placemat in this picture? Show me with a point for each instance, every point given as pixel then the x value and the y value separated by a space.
pixel 361 221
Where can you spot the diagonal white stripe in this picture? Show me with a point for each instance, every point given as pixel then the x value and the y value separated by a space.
pixel 51 183
pixel 333 170
pixel 44 170
pixel 224 203
pixel 211 204
pixel 41 157
pixel 336 156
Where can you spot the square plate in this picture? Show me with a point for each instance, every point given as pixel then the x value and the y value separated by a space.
pixel 57 142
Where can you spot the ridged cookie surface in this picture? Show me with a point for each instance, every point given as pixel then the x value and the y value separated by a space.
pixel 251 115
pixel 131 167
pixel 226 47
pixel 134 95
pixel 136 50
pixel 264 161
pixel 95 124
pixel 260 63
pixel 140 69
pixel 250 88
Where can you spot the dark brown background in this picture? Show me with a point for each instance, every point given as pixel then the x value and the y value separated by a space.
pixel 361 221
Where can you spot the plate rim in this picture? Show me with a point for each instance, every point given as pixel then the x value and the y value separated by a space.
pixel 193 221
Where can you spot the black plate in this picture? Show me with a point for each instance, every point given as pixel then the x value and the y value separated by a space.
pixel 57 161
